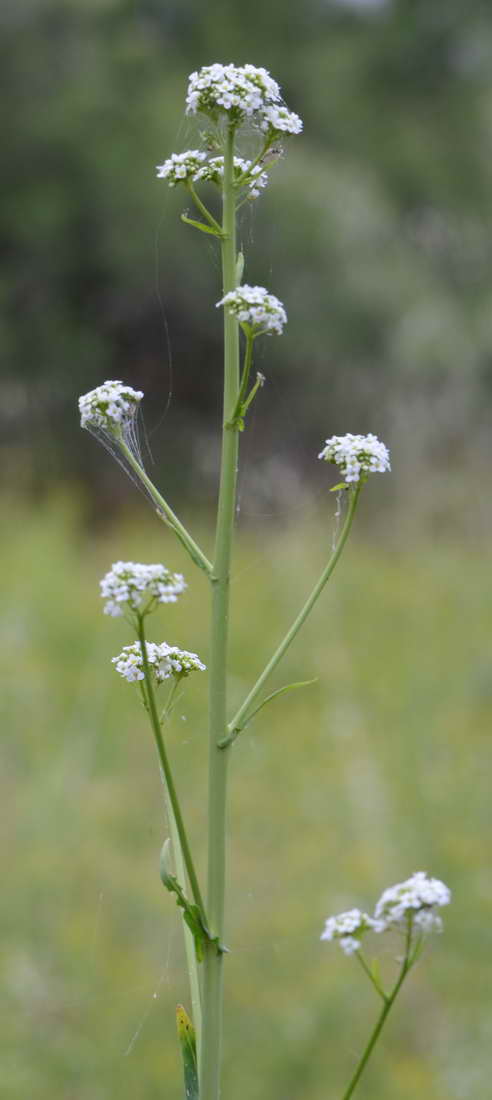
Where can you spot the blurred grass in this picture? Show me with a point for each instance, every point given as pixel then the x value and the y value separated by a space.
pixel 380 769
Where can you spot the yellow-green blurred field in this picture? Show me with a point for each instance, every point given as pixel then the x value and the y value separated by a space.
pixel 382 768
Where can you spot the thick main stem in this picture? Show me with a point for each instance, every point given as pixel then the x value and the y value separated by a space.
pixel 218 759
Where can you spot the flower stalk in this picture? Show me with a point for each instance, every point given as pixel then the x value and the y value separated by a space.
pixel 166 768
pixel 204 210
pixel 237 418
pixel 241 718
pixel 189 942
pixel 164 509
pixel 388 1002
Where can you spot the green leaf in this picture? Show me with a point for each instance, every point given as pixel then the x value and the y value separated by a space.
pixel 200 225
pixel 187 1040
pixel 273 695
pixel 279 691
pixel 341 485
pixel 167 876
pixel 184 543
pixel 239 268
pixel 191 913
pixel 376 971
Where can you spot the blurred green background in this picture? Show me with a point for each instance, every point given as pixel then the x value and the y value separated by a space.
pixel 375 232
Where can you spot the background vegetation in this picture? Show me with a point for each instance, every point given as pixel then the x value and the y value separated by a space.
pixel 380 769
pixel 376 233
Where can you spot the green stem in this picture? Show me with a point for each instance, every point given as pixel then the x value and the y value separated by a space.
pixel 260 379
pixel 163 507
pixel 389 1000
pixel 248 358
pixel 247 175
pixel 203 209
pixel 156 729
pixel 239 720
pixel 218 759
pixel 189 942
pixel 370 975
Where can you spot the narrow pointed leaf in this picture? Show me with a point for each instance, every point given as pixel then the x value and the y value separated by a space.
pixel 187 1040
pixel 273 695
pixel 279 691
pixel 167 875
pixel 239 268
pixel 200 225
pixel 192 915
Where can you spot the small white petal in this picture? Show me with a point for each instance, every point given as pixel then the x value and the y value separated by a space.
pixel 255 306
pixel 356 455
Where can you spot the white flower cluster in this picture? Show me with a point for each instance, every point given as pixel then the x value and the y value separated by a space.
pixel 418 897
pixel 242 92
pixel 253 305
pixel 164 660
pixel 280 120
pixel 129 582
pixel 193 165
pixel 181 166
pixel 347 927
pixel 213 171
pixel 182 662
pixel 357 455
pixel 110 407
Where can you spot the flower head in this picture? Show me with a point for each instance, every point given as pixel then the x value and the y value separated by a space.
pixel 418 897
pixel 241 92
pixel 254 177
pixel 164 661
pixel 193 166
pixel 111 407
pixel 347 928
pixel 254 306
pixel 356 455
pixel 181 166
pixel 237 91
pixel 135 585
pixel 182 662
pixel 277 120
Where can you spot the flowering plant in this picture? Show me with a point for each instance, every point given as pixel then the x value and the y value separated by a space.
pixel 230 97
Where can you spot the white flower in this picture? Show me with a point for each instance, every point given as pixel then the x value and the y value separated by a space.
pixel 418 896
pixel 181 166
pixel 129 582
pixel 129 662
pixel 239 91
pixel 194 166
pixel 164 660
pixel 182 662
pixel 213 171
pixel 111 407
pixel 278 120
pixel 347 927
pixel 357 455
pixel 254 306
